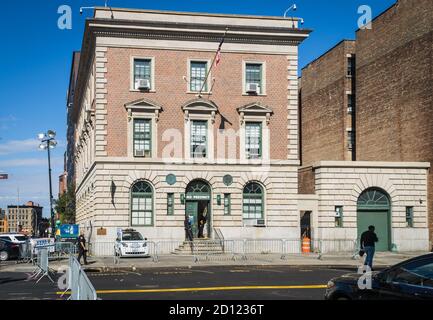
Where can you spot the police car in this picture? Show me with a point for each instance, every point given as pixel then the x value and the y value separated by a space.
pixel 130 243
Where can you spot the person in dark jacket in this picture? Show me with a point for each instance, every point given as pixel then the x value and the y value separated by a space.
pixel 201 224
pixel 368 244
pixel 82 251
pixel 188 229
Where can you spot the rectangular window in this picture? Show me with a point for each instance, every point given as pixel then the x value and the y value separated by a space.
pixel 199 139
pixel 350 103
pixel 339 216
pixel 253 137
pixel 227 204
pixel 142 138
pixel 350 66
pixel 142 71
pixel 409 217
pixel 198 71
pixel 253 75
pixel 142 210
pixel 170 204
pixel 350 139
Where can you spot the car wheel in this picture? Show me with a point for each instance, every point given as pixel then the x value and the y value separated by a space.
pixel 4 256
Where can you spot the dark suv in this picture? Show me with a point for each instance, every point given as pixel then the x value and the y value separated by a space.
pixel 408 280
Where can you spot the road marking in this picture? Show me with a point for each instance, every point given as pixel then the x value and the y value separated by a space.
pixel 210 289
pixel 239 271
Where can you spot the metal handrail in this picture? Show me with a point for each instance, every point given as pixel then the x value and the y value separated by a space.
pixel 220 237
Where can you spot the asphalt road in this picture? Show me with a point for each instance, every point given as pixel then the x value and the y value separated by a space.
pixel 196 283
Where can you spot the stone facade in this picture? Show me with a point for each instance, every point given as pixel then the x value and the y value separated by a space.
pixel 106 104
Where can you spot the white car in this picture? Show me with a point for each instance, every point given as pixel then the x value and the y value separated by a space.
pixel 130 243
pixel 16 238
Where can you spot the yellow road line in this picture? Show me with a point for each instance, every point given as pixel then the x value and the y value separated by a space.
pixel 210 289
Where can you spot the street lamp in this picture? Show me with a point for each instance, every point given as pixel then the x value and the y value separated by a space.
pixel 48 142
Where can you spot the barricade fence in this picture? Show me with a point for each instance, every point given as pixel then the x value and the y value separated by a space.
pixel 78 283
pixel 236 249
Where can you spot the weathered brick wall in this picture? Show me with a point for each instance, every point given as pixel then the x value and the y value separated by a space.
pixel 306 181
pixel 170 68
pixel 394 87
pixel 324 106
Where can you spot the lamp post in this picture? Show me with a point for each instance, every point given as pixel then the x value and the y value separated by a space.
pixel 48 142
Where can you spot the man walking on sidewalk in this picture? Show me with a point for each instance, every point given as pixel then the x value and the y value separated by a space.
pixel 82 251
pixel 368 244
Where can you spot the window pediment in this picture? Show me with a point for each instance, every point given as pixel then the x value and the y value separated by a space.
pixel 143 105
pixel 255 108
pixel 202 106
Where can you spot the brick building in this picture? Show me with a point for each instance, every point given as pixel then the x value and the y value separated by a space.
pixel 149 150
pixel 387 72
pixel 25 218
pixel 3 221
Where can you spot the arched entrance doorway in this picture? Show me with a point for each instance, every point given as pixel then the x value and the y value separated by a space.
pixel 198 196
pixel 374 209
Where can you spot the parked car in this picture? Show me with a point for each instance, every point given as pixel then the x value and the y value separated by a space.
pixel 9 250
pixel 408 280
pixel 14 237
pixel 130 243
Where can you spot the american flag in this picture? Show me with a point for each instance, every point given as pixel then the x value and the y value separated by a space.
pixel 218 56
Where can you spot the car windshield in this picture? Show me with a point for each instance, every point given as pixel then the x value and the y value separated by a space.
pixel 131 236
pixel 21 238
pixel 418 272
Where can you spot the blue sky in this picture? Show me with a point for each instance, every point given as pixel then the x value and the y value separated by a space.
pixel 35 64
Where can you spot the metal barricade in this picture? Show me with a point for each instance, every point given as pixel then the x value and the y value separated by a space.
pixel 337 246
pixel 291 247
pixel 263 249
pixel 101 249
pixel 42 264
pixel 78 282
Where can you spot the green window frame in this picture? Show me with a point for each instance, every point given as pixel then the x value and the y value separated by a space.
pixel 338 216
pixel 227 204
pixel 198 71
pixel 409 217
pixel 198 139
pixel 142 204
pixel 170 204
pixel 254 74
pixel 142 138
pixel 253 201
pixel 142 71
pixel 253 140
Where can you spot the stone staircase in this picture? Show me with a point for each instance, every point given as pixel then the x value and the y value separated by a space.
pixel 200 247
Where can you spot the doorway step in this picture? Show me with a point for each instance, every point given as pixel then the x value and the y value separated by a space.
pixel 200 247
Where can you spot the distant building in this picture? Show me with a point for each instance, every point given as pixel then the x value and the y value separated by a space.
pixel 367 130
pixel 3 221
pixel 25 218
pixel 63 178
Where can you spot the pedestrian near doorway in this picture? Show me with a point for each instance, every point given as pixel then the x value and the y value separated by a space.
pixel 201 224
pixel 188 229
pixel 82 251
pixel 368 245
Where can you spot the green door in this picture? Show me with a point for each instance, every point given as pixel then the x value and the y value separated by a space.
pixel 379 219
pixel 192 213
pixel 374 209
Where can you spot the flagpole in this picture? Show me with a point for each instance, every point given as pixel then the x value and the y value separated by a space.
pixel 210 69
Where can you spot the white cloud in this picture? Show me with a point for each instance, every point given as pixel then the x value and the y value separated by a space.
pixel 31 162
pixel 18 146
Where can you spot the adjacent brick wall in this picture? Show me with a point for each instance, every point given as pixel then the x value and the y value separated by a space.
pixel 394 87
pixel 306 181
pixel 324 116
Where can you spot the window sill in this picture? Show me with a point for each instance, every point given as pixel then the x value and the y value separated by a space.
pixel 254 95
pixel 143 91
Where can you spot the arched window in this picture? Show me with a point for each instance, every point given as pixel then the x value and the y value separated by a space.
pixel 253 201
pixel 141 204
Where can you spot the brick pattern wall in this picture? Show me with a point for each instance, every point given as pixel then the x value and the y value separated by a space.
pixel 324 116
pixel 171 66
pixel 306 181
pixel 394 87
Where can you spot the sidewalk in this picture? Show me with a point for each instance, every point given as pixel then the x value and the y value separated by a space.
pixel 382 259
